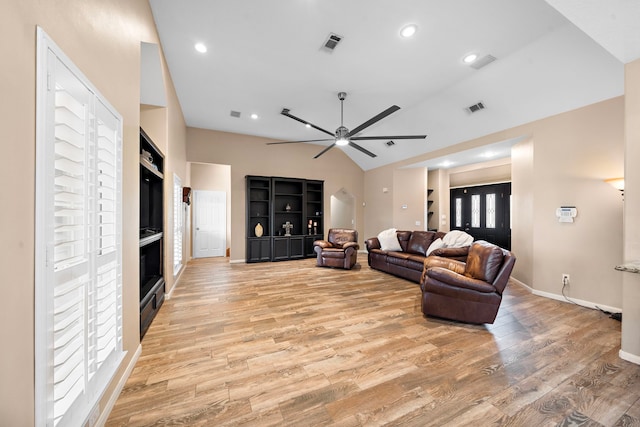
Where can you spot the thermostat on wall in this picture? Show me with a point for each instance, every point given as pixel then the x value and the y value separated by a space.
pixel 566 213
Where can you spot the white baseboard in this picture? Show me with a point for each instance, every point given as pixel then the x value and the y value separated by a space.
pixel 237 261
pixel 519 283
pixel 584 303
pixel 175 282
pixel 104 415
pixel 633 358
pixel 557 297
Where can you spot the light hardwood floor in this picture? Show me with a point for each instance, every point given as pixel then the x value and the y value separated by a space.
pixel 290 343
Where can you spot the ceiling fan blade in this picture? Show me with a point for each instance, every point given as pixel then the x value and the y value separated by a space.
pixel 324 151
pixel 374 119
pixel 357 147
pixel 295 142
pixel 368 138
pixel 285 112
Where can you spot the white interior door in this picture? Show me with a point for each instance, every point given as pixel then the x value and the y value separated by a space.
pixel 210 223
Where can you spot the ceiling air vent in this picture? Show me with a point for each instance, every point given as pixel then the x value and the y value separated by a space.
pixel 235 114
pixel 482 62
pixel 331 42
pixel 390 143
pixel 475 107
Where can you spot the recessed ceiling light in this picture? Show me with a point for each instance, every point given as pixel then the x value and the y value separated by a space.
pixel 446 164
pixel 308 126
pixel 408 30
pixel 200 47
pixel 254 116
pixel 470 58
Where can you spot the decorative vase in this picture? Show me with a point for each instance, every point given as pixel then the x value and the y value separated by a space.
pixel 259 230
pixel 288 207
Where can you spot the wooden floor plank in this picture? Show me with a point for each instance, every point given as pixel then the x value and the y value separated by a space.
pixel 292 344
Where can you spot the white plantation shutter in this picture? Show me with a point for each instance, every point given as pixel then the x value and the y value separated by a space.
pixel 177 224
pixel 78 242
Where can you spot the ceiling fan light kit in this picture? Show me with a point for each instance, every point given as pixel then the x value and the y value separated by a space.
pixel 343 136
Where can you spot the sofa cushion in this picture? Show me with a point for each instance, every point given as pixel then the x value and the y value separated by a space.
pixel 403 238
pixel 436 244
pixel 389 240
pixel 419 242
pixel 484 261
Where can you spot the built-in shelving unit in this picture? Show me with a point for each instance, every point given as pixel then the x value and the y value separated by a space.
pixel 431 223
pixel 284 217
pixel 151 231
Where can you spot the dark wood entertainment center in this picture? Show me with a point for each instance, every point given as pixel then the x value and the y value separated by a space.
pixel 291 217
pixel 151 231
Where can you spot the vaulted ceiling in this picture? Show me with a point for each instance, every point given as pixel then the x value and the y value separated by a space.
pixel 266 55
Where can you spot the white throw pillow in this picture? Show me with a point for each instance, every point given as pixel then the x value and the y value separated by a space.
pixel 389 240
pixel 457 239
pixel 436 244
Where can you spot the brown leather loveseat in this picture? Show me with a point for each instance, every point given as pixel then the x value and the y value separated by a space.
pixel 409 262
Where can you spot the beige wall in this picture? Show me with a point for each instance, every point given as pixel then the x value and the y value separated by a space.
pixel 103 39
pixel 573 154
pixel 631 281
pixel 248 155
pixel 522 192
pixel 409 198
pixel 212 177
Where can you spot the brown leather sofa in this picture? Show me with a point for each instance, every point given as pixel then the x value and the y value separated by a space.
pixel 409 263
pixel 340 250
pixel 468 292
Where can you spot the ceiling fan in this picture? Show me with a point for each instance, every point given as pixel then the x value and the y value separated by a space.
pixel 344 136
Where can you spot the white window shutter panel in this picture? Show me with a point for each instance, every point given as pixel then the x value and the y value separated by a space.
pixel 78 241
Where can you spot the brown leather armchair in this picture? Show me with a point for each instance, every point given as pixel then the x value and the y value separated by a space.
pixel 468 292
pixel 339 250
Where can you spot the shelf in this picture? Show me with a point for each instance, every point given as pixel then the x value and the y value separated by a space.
pixel 302 196
pixel 151 168
pixel 150 238
pixel 151 230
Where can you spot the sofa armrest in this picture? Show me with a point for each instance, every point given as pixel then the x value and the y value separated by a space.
pixel 323 244
pixel 451 252
pixel 448 263
pixel 372 243
pixel 353 245
pixel 442 262
pixel 452 278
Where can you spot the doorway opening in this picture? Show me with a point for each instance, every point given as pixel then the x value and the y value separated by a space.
pixel 343 210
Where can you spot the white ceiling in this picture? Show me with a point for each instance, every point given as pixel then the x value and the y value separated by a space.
pixel 265 55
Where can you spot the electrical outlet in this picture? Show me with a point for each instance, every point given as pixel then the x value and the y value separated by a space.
pixel 565 279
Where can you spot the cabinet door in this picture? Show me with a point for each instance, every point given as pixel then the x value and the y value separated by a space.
pixel 308 245
pixel 296 247
pixel 259 250
pixel 280 248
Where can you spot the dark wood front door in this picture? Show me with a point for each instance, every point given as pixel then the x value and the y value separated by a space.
pixel 484 212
